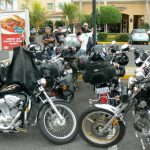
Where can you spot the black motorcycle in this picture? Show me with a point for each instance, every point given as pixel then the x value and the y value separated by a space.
pixel 104 72
pixel 56 119
pixel 55 72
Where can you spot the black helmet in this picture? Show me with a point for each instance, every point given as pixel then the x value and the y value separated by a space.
pixel 98 53
pixel 113 48
pixel 122 59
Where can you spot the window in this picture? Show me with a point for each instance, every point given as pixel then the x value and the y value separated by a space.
pixel 50 6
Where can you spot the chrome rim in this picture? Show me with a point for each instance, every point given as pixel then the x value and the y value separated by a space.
pixel 56 128
pixel 94 122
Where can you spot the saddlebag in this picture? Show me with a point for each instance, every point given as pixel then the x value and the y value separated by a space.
pixel 99 72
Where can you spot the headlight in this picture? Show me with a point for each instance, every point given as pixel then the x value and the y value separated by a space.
pixel 43 82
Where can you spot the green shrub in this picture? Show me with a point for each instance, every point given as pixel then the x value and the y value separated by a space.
pixel 124 37
pixel 144 26
pixel 102 36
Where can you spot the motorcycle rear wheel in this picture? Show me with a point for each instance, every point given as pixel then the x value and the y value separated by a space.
pixel 93 120
pixel 51 127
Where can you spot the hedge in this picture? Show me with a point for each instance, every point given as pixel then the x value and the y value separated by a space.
pixel 122 37
pixel 118 37
pixel 102 36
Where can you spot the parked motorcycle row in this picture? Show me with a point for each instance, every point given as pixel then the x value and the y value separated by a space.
pixel 49 81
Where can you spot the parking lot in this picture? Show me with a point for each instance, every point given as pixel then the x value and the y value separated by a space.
pixel 34 140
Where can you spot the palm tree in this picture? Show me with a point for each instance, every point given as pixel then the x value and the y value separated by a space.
pixel 70 11
pixel 38 15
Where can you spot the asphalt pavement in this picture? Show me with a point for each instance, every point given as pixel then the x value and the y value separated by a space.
pixel 33 140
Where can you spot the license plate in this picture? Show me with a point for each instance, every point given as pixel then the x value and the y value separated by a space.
pixel 102 90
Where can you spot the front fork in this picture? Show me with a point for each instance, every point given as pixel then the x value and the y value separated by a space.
pixel 117 114
pixel 52 105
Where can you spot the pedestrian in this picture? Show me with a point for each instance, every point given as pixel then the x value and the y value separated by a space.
pixel 76 26
pixel 49 41
pixel 83 38
pixel 87 30
pixel 59 36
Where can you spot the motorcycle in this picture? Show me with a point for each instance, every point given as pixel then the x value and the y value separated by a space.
pixel 109 91
pixel 104 125
pixel 56 119
pixel 59 79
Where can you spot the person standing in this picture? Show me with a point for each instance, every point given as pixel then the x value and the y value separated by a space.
pixel 59 36
pixel 87 30
pixel 76 26
pixel 83 38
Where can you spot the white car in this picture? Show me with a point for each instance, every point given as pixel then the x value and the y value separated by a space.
pixel 139 36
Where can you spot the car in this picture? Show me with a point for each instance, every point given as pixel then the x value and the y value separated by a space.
pixel 148 31
pixel 139 36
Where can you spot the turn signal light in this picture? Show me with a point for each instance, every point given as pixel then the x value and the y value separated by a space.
pixel 64 87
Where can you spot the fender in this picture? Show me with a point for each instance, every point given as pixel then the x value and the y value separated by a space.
pixel 45 104
pixel 111 109
pixel 107 107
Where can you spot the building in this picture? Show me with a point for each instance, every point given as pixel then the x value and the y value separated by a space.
pixel 133 11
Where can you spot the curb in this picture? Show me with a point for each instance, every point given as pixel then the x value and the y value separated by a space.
pixel 127 76
pixel 111 42
pixel 116 42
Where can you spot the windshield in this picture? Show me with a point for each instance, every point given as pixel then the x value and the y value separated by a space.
pixel 139 31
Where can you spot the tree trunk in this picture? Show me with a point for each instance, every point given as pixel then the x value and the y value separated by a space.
pixel 37 30
pixel 147 12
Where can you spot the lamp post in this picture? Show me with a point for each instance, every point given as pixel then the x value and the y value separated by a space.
pixel 105 4
pixel 94 22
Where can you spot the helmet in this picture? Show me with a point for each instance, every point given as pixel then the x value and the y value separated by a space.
pixel 122 59
pixel 138 62
pixel 113 48
pixel 125 47
pixel 82 62
pixel 139 56
pixel 98 53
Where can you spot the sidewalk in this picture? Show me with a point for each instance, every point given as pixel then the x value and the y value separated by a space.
pixel 129 72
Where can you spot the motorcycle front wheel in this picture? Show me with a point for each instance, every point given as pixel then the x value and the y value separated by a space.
pixel 92 122
pixel 53 129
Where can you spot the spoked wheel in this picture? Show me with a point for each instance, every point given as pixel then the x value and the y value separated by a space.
pixel 55 130
pixel 92 122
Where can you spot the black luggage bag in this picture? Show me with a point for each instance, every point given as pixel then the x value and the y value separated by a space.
pixel 99 72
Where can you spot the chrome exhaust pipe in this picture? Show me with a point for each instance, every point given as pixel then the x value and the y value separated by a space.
pixel 12 123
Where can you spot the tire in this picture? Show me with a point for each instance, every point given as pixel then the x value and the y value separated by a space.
pixel 99 139
pixel 53 135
